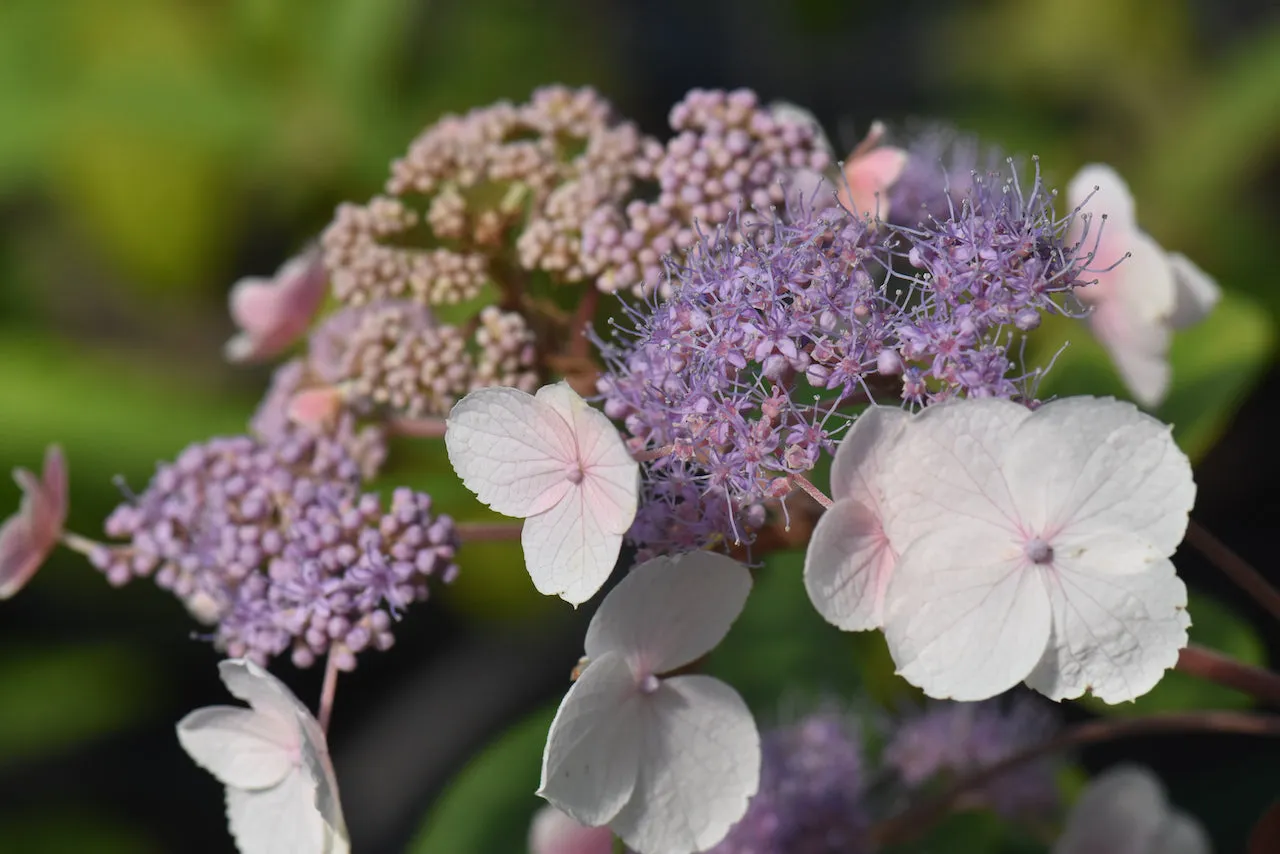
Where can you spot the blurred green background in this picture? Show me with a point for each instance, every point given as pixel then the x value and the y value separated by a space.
pixel 153 151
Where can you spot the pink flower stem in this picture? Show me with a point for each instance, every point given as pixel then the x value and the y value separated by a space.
pixel 486 531
pixel 77 543
pixel 915 820
pixel 813 491
pixel 655 454
pixel 1213 666
pixel 327 692
pixel 1235 567
pixel 418 428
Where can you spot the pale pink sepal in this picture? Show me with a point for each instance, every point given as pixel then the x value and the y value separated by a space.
pixel 274 312
pixel 869 172
pixel 27 537
pixel 553 832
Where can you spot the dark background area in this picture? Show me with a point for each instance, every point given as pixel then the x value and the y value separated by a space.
pixel 153 151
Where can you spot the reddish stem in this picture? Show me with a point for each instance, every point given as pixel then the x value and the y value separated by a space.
pixel 1235 567
pixel 915 820
pixel 1224 670
pixel 419 428
pixel 813 491
pixel 488 531
pixel 327 692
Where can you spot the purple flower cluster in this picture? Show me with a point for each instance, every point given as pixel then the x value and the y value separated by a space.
pixel 729 152
pixel 810 799
pixel 747 373
pixel 953 739
pixel 274 544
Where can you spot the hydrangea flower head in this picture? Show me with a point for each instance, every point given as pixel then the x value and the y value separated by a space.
pixel 1034 546
pixel 1142 293
pixel 668 762
pixel 28 536
pixel 748 372
pixel 958 739
pixel 282 797
pixel 1125 811
pixel 273 313
pixel 275 545
pixel 810 801
pixel 559 464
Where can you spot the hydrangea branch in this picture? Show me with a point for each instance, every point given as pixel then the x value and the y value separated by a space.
pixel 486 531
pixel 328 691
pixel 418 428
pixel 1235 567
pixel 1215 667
pixel 913 821
pixel 813 492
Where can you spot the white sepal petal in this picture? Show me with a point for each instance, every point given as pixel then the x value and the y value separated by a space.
pixel 592 758
pixel 558 462
pixel 856 467
pixel 670 611
pixel 1124 811
pixel 847 566
pixel 947 461
pixel 1085 464
pixel 239 747
pixel 1195 292
pixel 965 617
pixel 1115 631
pixel 512 450
pixel 699 766
pixel 281 820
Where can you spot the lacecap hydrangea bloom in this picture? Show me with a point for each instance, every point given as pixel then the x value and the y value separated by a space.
pixel 999 545
pixel 282 797
pixel 28 536
pixel 275 546
pixel 748 373
pixel 1142 293
pixel 667 760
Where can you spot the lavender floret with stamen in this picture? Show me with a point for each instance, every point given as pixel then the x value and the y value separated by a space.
pixel 749 372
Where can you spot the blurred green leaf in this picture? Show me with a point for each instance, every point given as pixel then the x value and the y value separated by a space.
pixel 488 806
pixel 111 413
pixel 56 697
pixel 780 648
pixel 72 831
pixel 1215 365
pixel 1215 626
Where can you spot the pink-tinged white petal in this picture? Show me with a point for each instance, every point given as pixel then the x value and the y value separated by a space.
pixel 246 750
pixel 609 472
pixel 558 462
pixel 567 551
pixel 273 313
pixel 27 537
pixel 1195 292
pixel 670 611
pixel 554 832
pixel 1103 192
pixel 1124 811
pixel 592 759
pixel 847 566
pixel 281 820
pixel 1115 631
pixel 868 178
pixel 699 766
pixel 966 615
pixel 513 451
pixel 946 464
pixel 849 560
pixel 856 468
pixel 1135 298
pixel 1087 464
pixel 315 408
